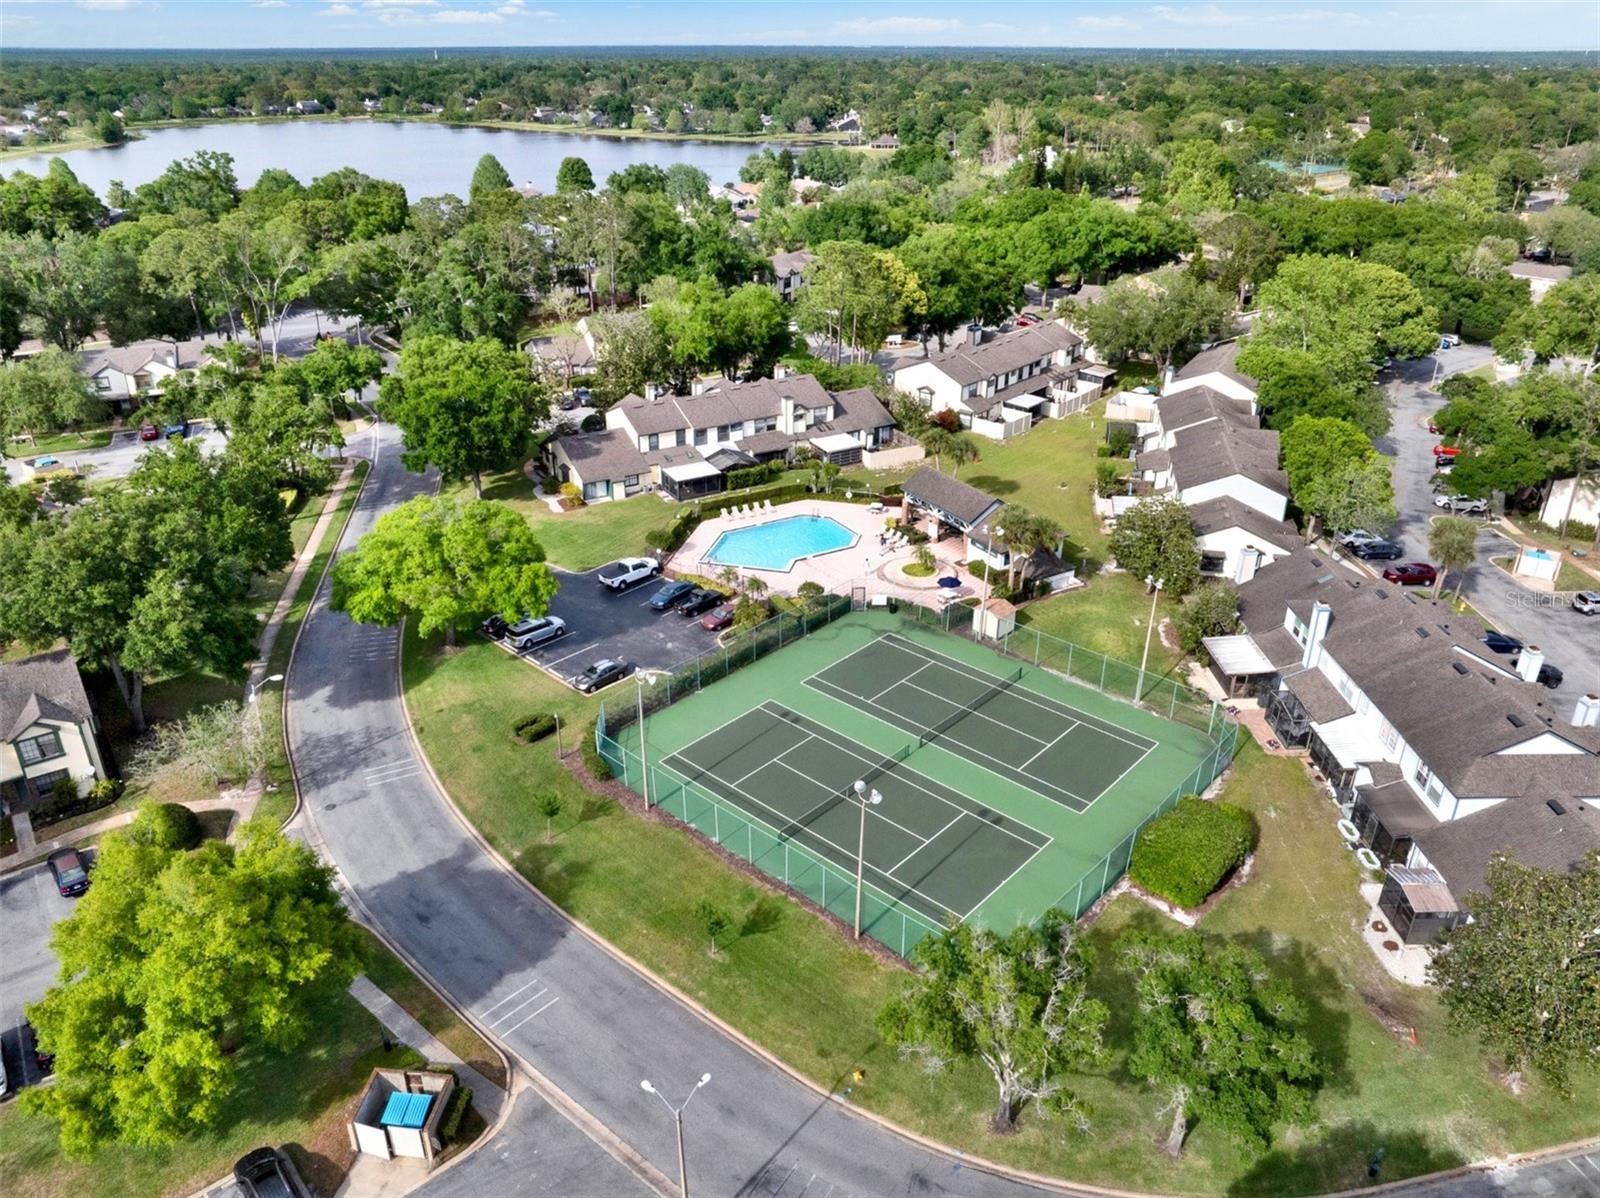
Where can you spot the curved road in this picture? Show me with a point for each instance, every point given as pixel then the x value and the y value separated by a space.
pixel 562 1004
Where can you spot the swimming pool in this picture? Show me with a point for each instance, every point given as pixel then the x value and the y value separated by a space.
pixel 778 544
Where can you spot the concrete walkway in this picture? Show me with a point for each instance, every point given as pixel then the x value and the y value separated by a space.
pixel 487 1097
pixel 241 802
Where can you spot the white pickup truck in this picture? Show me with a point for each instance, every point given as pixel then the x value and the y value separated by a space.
pixel 625 572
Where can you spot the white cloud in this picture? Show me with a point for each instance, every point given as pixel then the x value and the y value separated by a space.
pixel 401 3
pixel 869 26
pixel 1105 24
pixel 270 4
pixel 105 5
pixel 1322 16
pixel 465 16
pixel 337 10
pixel 1201 14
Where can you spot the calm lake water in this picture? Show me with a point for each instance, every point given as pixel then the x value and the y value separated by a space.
pixel 425 159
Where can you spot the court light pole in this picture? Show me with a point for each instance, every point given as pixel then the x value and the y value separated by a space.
pixel 988 566
pixel 1155 585
pixel 864 799
pixel 677 1119
pixel 640 677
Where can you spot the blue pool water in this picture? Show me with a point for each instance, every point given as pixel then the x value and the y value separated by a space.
pixel 1310 168
pixel 778 544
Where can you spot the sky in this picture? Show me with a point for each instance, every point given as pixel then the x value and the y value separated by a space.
pixel 1565 25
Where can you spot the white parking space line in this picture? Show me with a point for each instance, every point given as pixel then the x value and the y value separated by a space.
pixel 525 1018
pixel 510 1011
pixel 484 1014
pixel 393 772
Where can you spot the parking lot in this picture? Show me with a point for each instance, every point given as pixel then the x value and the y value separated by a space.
pixel 29 908
pixel 621 626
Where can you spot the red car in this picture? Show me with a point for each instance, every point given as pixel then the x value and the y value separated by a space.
pixel 717 618
pixel 67 871
pixel 1433 428
pixel 148 431
pixel 1445 451
pixel 1411 574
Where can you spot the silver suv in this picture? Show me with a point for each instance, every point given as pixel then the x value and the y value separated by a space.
pixel 1588 602
pixel 531 633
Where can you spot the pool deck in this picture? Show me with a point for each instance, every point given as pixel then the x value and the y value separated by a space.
pixel 866 564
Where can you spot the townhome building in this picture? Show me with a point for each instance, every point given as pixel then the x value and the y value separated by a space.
pixel 788 272
pixel 47 730
pixel 123 375
pixel 683 445
pixel 1000 384
pixel 1440 753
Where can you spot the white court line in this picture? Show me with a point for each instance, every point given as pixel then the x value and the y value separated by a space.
pixel 975 712
pixel 507 1014
pixel 1048 746
pixel 926 843
pixel 484 1014
pixel 892 685
pixel 878 815
pixel 1044 702
pixel 525 1019
pixel 779 758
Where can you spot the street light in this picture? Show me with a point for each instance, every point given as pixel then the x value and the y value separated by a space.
pixel 640 677
pixel 254 692
pixel 677 1119
pixel 1155 585
pixel 988 565
pixel 863 800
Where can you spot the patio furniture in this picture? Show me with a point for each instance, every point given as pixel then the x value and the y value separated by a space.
pixel 949 582
pixel 875 507
pixel 766 505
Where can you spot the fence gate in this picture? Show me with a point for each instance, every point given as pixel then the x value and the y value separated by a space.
pixel 858 598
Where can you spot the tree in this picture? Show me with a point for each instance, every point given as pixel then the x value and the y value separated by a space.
pixel 1162 316
pixel 964 275
pixel 636 353
pixel 1025 533
pixel 1219 1037
pixel 464 406
pixel 1155 539
pixel 687 186
pixel 264 267
pixel 1248 252
pixel 166 826
pixel 43 394
pixel 1379 158
pixel 573 175
pixel 153 578
pixel 489 182
pixel 1018 1003
pixel 1358 494
pixel 204 182
pixel 1515 172
pixel 1565 324
pixel 1453 543
pixel 942 443
pixel 170 965
pixel 336 368
pixel 441 564
pixel 1524 974
pixel 1314 447
pixel 1212 610
pixel 60 283
pixel 548 804
pixel 713 920
pixel 278 422
pixel 855 294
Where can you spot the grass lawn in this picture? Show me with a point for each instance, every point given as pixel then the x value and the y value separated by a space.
pixel 585 537
pixel 792 984
pixel 92 438
pixel 1570 578
pixel 1110 616
pixel 299 1101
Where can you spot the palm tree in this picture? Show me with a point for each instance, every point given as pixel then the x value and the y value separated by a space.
pixel 938 442
pixel 961 451
pixel 1453 542
pixel 1026 533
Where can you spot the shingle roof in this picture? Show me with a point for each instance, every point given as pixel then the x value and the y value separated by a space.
pixel 1219 359
pixel 46 685
pixel 723 403
pixel 1207 452
pixel 134 357
pixel 965 504
pixel 607 454
pixel 1216 515
pixel 788 262
pixel 1197 404
pixel 1003 352
pixel 1527 828
pixel 1320 698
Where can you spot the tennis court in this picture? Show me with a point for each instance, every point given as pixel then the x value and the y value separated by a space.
pixel 926 846
pixel 1058 751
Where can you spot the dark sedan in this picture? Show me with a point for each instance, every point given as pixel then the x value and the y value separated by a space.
pixel 1502 643
pixel 1411 574
pixel 68 871
pixel 671 594
pixel 1386 551
pixel 602 673
pixel 698 601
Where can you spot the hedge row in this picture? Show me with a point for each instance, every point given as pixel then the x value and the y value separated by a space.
pixel 455 1110
pixel 536 727
pixel 754 476
pixel 1185 854
pixel 593 762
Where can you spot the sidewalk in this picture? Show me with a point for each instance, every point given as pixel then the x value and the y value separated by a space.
pixel 241 802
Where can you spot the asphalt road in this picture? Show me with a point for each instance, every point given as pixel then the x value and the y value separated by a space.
pixel 1569 640
pixel 549 994
pixel 118 459
pixel 29 908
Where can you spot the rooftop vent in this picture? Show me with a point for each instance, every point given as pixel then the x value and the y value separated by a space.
pixel 1382 594
pixel 1324 579
pixel 1556 805
pixel 1422 632
pixel 1458 668
pixel 1316 561
pixel 1514 720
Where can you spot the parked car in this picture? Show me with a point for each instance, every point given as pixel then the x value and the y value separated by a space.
pixel 1356 536
pixel 1500 642
pixel 1550 677
pixel 180 429
pixel 1025 321
pixel 268 1173
pixel 67 869
pixel 28 1041
pixel 671 594
pixel 1377 551
pixel 1445 451
pixel 717 618
pixel 1411 574
pixel 698 602
pixel 602 673
pixel 1588 602
pixel 148 432
pixel 625 572
pixel 46 462
pixel 494 627
pixel 583 395
pixel 529 634
pixel 1449 341
pixel 1461 503
pixel 1443 464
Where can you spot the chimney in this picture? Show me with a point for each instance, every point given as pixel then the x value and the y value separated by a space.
pixel 780 371
pixel 974 334
pixel 1166 379
pixel 172 355
pixel 1321 616
pixel 1530 661
pixel 1249 562
pixel 1587 713
pixel 698 388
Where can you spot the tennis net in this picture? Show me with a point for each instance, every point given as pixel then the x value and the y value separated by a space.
pixel 950 722
pixel 802 823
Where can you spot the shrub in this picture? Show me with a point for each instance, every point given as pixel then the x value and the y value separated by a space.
pixel 536 727
pixel 1119 438
pixel 594 422
pixel 1107 482
pixel 166 826
pixel 65 801
pixel 552 485
pixel 592 760
pixel 1185 854
pixel 754 476
pixel 105 790
pixel 454 1112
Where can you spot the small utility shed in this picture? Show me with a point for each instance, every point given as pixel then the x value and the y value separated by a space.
pixel 400 1112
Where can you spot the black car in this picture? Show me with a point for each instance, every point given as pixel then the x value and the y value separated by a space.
pixel 1501 643
pixel 603 673
pixel 268 1173
pixel 697 601
pixel 1443 461
pixel 671 594
pixel 67 869
pixel 1550 677
pixel 495 627
pixel 1386 551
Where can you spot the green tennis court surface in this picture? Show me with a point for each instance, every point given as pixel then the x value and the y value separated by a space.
pixel 1008 788
pixel 926 846
pixel 1063 753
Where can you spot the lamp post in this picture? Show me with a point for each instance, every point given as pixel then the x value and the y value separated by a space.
pixel 864 799
pixel 254 692
pixel 677 1119
pixel 640 677
pixel 1155 585
pixel 988 566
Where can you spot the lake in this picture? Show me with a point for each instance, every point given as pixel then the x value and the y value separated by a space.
pixel 425 159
